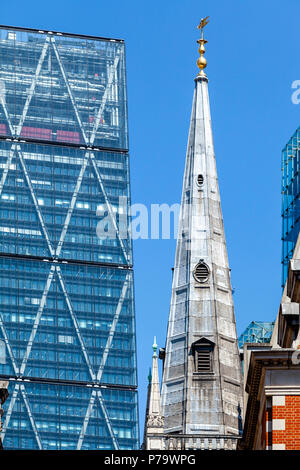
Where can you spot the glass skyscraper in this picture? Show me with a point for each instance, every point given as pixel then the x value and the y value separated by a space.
pixel 290 200
pixel 66 288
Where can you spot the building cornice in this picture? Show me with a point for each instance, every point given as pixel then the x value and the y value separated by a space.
pixel 260 361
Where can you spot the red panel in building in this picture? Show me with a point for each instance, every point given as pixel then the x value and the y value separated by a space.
pixel 68 136
pixel 3 129
pixel 36 133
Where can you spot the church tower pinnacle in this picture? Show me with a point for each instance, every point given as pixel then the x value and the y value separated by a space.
pixel 201 393
pixel 154 423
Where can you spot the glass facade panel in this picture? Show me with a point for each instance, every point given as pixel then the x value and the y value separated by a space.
pixel 69 189
pixel 50 416
pixel 62 88
pixel 290 200
pixel 67 315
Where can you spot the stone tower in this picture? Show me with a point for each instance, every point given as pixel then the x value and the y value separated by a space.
pixel 201 393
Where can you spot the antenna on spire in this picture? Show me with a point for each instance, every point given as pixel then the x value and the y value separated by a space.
pixel 201 61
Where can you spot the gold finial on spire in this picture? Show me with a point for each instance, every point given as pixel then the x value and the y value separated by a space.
pixel 201 62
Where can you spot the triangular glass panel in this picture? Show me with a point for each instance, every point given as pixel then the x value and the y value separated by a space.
pixel 21 229
pixel 57 352
pixel 91 72
pixel 72 61
pixel 57 121
pixel 19 433
pixel 18 67
pixel 88 293
pixel 112 173
pixel 57 413
pixel 97 435
pixel 121 412
pixel 91 232
pixel 21 288
pixel 54 172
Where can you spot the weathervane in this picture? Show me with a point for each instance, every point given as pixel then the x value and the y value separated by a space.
pixel 201 62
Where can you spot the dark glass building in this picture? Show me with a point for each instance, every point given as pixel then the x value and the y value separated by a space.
pixel 66 289
pixel 290 200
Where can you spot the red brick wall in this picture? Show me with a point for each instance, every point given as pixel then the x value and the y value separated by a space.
pixel 268 434
pixel 263 431
pixel 291 414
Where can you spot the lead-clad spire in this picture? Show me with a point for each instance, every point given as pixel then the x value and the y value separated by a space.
pixel 201 386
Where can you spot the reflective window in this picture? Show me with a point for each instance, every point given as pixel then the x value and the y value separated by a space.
pixel 67 321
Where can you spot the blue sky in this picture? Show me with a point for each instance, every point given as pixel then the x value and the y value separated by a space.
pixel 252 55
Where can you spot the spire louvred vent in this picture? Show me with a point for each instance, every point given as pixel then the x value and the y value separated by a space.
pixel 201 272
pixel 203 363
pixel 200 180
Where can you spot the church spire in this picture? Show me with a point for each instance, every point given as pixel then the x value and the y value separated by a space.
pixel 154 405
pixel 154 421
pixel 201 386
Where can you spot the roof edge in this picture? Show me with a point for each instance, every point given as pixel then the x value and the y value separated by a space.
pixel 45 31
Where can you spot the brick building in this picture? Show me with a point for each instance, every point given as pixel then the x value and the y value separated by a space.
pixel 272 377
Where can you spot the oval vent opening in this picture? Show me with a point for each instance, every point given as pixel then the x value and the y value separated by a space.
pixel 201 272
pixel 200 180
